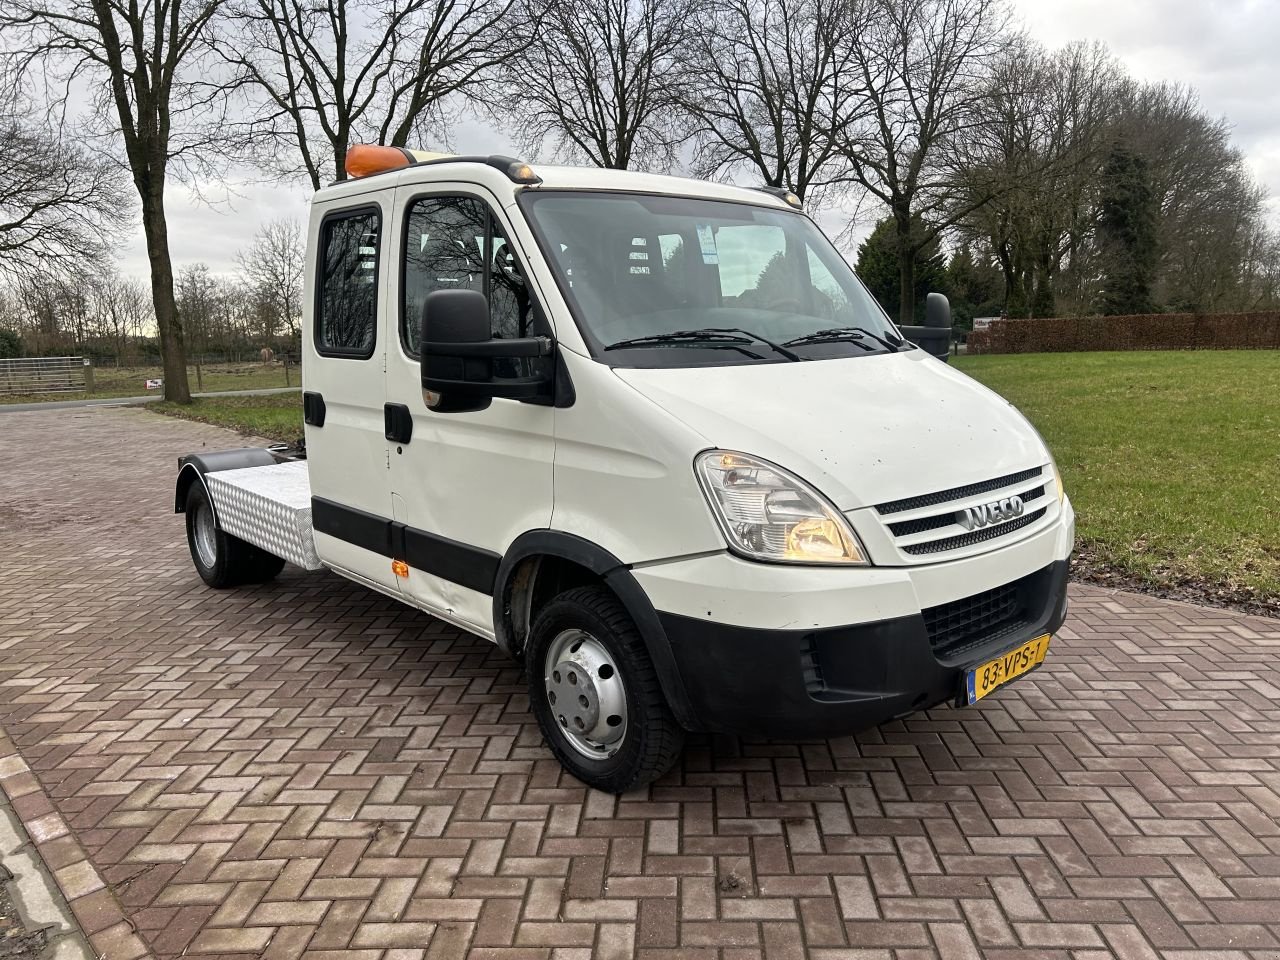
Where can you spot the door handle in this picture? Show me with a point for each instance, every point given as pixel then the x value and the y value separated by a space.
pixel 397 422
pixel 313 409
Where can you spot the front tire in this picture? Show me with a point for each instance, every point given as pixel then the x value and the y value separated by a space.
pixel 596 695
pixel 221 559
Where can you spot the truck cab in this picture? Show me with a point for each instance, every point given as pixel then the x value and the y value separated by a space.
pixel 653 438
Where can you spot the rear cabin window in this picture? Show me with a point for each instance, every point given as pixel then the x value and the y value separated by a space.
pixel 347 291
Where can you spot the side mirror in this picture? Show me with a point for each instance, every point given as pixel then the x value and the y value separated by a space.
pixel 458 355
pixel 935 333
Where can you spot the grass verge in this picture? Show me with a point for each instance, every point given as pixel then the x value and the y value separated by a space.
pixel 1170 458
pixel 276 417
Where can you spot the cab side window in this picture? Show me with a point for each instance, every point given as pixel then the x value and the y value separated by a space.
pixel 347 288
pixel 454 243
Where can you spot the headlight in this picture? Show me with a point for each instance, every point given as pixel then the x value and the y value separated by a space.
pixel 1057 478
pixel 769 514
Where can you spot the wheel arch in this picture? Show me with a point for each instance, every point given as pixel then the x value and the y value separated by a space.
pixel 194 466
pixel 540 558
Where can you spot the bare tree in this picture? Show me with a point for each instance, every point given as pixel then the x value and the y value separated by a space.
pixel 598 82
pixel 1209 205
pixel 198 292
pixel 138 60
pixel 924 67
pixel 51 309
pixel 320 76
pixel 1051 118
pixel 767 82
pixel 123 310
pixel 1055 119
pixel 59 203
pixel 273 268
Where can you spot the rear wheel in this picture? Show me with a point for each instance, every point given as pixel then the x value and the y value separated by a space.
pixel 221 559
pixel 596 695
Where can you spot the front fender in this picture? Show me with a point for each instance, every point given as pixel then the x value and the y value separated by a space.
pixel 618 578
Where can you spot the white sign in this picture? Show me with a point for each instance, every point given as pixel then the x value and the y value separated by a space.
pixel 154 384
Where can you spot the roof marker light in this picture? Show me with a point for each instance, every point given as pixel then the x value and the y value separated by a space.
pixel 523 173
pixel 366 159
pixel 517 171
pixel 789 197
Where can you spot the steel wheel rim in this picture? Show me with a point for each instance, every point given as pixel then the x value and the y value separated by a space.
pixel 206 536
pixel 585 694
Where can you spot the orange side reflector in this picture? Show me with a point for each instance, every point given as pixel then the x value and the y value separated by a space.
pixel 365 159
pixel 399 568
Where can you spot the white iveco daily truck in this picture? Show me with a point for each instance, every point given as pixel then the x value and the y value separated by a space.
pixel 652 437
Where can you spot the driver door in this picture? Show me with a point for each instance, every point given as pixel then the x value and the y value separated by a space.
pixel 464 485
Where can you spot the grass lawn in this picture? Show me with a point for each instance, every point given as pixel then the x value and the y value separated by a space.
pixel 132 381
pixel 276 417
pixel 1172 459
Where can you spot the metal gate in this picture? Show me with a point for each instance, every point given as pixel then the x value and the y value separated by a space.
pixel 42 375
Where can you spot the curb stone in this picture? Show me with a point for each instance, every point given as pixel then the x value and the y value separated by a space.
pixel 72 901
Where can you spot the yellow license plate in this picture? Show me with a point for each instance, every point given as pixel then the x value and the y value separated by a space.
pixel 985 677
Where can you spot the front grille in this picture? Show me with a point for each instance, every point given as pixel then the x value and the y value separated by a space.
pixel 933 523
pixel 907 527
pixel 974 537
pixel 956 493
pixel 971 622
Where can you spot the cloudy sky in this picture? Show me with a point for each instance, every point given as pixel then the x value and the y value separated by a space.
pixel 1223 48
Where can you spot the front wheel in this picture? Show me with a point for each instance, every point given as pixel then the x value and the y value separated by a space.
pixel 596 695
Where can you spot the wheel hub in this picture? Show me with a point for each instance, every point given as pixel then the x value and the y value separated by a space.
pixel 206 535
pixel 585 693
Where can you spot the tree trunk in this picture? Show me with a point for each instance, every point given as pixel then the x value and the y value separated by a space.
pixel 906 270
pixel 172 349
pixel 1044 303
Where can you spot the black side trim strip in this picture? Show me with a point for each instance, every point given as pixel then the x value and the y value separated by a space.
pixel 460 563
pixel 363 529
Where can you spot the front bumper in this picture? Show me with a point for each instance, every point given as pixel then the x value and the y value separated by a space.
pixel 833 680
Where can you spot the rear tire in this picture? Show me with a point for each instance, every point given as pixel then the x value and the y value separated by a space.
pixel 221 559
pixel 596 695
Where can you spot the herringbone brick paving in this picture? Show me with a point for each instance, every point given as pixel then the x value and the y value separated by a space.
pixel 308 767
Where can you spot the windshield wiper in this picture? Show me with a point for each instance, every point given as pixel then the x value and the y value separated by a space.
pixel 851 334
pixel 709 336
pixel 696 338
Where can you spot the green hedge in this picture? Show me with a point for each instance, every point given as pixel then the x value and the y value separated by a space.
pixel 1155 331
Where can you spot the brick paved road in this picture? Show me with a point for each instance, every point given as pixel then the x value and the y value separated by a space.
pixel 307 766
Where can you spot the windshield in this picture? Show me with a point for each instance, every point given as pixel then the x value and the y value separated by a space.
pixel 676 281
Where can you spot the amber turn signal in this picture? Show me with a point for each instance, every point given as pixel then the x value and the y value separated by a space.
pixel 400 568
